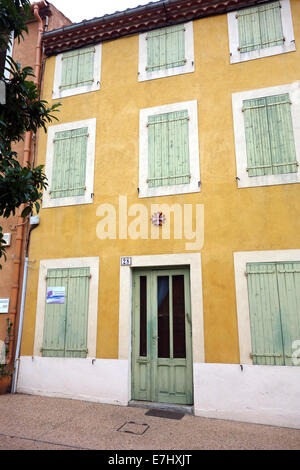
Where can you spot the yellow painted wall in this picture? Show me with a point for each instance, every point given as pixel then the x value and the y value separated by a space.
pixel 264 218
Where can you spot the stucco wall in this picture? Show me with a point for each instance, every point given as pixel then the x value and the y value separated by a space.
pixel 265 218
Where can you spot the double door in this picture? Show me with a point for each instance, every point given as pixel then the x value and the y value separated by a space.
pixel 162 337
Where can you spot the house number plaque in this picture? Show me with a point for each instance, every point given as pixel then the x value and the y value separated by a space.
pixel 126 261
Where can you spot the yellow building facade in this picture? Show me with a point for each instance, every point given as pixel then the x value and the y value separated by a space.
pixel 218 226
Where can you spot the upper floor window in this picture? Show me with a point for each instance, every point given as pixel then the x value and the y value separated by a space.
pixel 77 72
pixel 261 31
pixel 167 51
pixel 169 154
pixel 267 125
pixel 70 164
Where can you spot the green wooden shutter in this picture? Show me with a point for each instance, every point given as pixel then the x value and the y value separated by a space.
pixel 166 48
pixel 168 147
pixel 260 27
pixel 65 327
pixel 281 134
pixel 55 317
pixel 265 322
pixel 288 275
pixel 69 163
pixel 77 313
pixel 78 68
pixel 269 136
pixel 257 137
pixel 274 303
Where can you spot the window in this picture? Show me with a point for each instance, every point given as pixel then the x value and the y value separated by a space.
pixel 261 31
pixel 77 72
pixel 67 306
pixel 274 303
pixel 66 315
pixel 269 136
pixel 166 52
pixel 169 150
pixel 268 306
pixel 70 164
pixel 266 126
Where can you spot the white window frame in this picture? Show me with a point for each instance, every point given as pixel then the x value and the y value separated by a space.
pixel 189 66
pixel 288 33
pixel 241 284
pixel 194 185
pixel 244 180
pixel 87 198
pixel 58 93
pixel 93 264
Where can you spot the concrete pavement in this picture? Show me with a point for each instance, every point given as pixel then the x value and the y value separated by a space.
pixel 40 423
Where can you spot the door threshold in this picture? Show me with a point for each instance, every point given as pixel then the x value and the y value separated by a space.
pixel 187 409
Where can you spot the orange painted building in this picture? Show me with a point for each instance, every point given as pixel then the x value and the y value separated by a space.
pixel 11 274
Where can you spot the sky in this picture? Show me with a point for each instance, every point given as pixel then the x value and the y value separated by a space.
pixel 78 10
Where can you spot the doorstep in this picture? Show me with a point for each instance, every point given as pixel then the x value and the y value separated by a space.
pixel 186 409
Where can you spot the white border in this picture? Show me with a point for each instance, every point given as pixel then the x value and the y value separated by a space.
pixel 240 261
pixel 288 32
pixel 193 260
pixel 189 66
pixel 87 198
pixel 193 186
pixel 246 181
pixel 57 93
pixel 93 264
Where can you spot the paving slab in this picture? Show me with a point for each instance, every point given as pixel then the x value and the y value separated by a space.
pixel 41 423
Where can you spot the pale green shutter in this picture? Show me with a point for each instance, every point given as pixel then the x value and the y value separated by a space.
pixel 266 334
pixel 77 313
pixel 281 134
pixel 65 327
pixel 260 27
pixel 257 137
pixel 78 68
pixel 69 163
pixel 55 316
pixel 288 275
pixel 166 48
pixel 274 304
pixel 168 147
pixel 269 136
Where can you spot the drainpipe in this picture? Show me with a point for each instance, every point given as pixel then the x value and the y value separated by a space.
pixel 26 159
pixel 17 359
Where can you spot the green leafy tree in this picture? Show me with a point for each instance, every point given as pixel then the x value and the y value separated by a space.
pixel 22 112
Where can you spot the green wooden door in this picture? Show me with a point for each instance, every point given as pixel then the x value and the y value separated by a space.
pixel 162 337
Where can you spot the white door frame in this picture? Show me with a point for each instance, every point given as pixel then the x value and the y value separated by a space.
pixel 193 260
